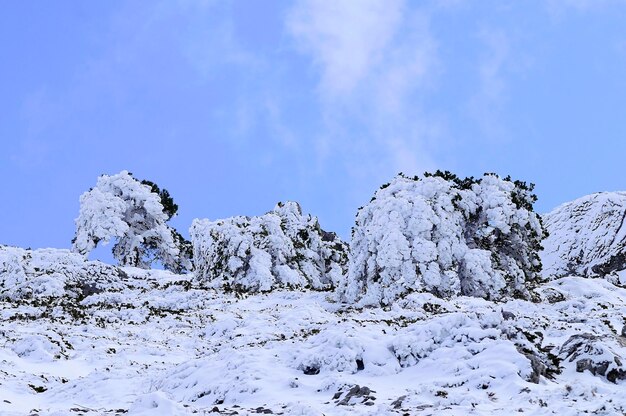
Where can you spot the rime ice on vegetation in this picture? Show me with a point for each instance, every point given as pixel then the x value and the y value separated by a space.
pixel 52 274
pixel 122 208
pixel 447 236
pixel 282 248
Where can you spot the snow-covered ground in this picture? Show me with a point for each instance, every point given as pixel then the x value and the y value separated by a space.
pixel 151 343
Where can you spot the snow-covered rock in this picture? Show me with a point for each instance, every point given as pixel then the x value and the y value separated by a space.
pixel 447 236
pixel 282 248
pixel 595 354
pixel 587 237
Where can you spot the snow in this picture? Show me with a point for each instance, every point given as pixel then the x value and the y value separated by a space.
pixel 156 343
pixel 52 273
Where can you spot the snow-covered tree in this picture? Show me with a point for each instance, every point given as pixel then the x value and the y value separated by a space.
pixel 445 235
pixel 282 248
pixel 133 212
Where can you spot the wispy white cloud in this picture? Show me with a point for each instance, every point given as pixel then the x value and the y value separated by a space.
pixel 278 128
pixel 491 68
pixel 32 151
pixel 373 57
pixel 346 39
pixel 485 105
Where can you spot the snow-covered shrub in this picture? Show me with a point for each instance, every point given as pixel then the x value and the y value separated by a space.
pixel 587 236
pixel 52 273
pixel 447 331
pixel 487 340
pixel 156 403
pixel 445 235
pixel 332 350
pixel 131 211
pixel 227 376
pixel 282 248
pixel 37 347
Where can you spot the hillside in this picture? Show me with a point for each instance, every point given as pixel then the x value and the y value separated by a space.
pixel 438 305
pixel 152 343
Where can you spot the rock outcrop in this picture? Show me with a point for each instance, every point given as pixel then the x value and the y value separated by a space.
pixel 594 354
pixel 587 237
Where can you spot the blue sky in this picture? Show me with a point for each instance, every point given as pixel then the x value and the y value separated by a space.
pixel 233 106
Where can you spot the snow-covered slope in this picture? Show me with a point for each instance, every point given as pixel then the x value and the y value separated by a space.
pixel 587 236
pixel 154 343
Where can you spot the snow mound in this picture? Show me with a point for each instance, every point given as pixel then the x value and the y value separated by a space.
pixel 156 404
pixel 339 349
pixel 445 332
pixel 447 236
pixel 587 236
pixel 282 248
pixel 52 273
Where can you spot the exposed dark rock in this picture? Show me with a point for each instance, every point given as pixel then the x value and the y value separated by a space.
pixel 552 295
pixel 542 361
pixel 311 371
pixel 614 263
pixel 89 289
pixel 328 236
pixel 396 404
pixel 356 392
pixel 508 315
pixel 538 367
